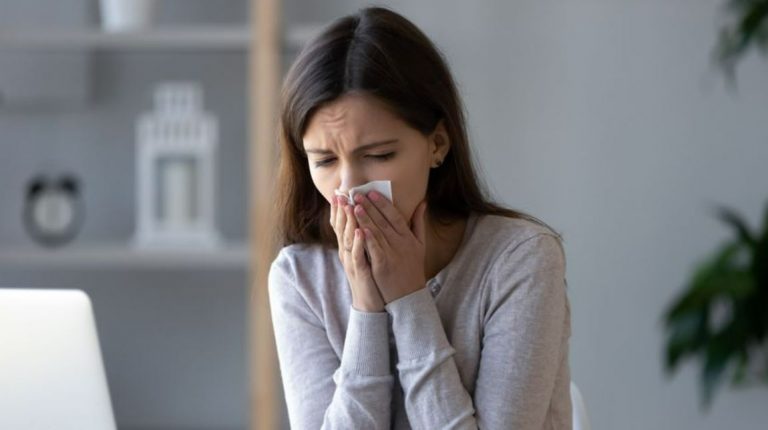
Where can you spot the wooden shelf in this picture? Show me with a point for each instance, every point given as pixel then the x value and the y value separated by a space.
pixel 223 37
pixel 122 256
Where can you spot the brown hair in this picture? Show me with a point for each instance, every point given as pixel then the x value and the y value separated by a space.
pixel 381 53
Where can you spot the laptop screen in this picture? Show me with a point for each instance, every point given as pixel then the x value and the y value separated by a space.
pixel 51 370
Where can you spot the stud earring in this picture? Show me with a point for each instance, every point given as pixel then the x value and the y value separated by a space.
pixel 438 163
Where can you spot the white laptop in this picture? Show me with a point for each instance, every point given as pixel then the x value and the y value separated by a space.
pixel 51 370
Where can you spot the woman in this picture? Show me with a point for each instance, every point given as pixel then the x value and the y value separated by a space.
pixel 437 310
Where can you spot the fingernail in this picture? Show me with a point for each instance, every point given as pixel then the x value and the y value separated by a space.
pixel 373 195
pixel 359 198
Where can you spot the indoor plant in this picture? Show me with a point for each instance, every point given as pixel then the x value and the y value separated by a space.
pixel 722 316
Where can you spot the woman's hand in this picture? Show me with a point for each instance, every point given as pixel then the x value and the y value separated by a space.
pixel 365 295
pixel 397 250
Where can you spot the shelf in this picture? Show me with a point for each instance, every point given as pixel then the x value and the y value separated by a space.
pixel 115 256
pixel 224 37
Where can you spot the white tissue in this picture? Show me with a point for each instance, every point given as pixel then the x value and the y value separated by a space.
pixel 383 187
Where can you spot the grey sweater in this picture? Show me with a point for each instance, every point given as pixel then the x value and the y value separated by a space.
pixel 483 346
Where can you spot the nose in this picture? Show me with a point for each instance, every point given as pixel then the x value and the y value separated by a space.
pixel 350 176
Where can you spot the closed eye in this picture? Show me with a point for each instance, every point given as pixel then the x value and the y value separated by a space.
pixel 386 156
pixel 382 157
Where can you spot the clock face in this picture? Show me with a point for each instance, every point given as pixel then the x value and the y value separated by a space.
pixel 53 212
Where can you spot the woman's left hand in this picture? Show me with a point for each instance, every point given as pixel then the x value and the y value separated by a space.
pixel 396 250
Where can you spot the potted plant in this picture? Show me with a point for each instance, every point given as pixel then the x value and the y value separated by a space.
pixel 722 316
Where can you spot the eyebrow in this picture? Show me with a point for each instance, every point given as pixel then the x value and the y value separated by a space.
pixel 356 150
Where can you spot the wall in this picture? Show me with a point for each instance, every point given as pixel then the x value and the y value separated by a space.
pixel 605 119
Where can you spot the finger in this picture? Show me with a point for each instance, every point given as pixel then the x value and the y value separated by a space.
pixel 358 253
pixel 375 250
pixel 390 212
pixel 339 226
pixel 333 211
pixel 349 230
pixel 379 226
pixel 376 216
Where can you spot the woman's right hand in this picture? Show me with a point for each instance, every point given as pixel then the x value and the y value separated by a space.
pixel 365 293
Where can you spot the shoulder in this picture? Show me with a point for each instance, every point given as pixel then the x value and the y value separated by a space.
pixel 507 238
pixel 298 258
pixel 528 263
pixel 290 255
pixel 305 266
pixel 516 251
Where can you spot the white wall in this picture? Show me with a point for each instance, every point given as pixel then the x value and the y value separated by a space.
pixel 606 119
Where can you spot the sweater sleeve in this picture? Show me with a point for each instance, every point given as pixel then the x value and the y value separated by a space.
pixel 521 353
pixel 321 391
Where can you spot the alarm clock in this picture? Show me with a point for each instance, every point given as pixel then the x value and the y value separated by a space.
pixel 53 209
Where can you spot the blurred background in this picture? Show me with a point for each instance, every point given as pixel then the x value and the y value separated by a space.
pixel 604 118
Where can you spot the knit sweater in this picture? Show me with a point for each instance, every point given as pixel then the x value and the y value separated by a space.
pixel 484 345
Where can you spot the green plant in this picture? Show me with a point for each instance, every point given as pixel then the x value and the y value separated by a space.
pixel 722 316
pixel 747 26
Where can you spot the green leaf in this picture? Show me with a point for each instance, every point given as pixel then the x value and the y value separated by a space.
pixel 760 261
pixel 733 219
pixel 688 334
pixel 715 364
pixel 765 223
pixel 753 17
pixel 748 26
pixel 739 374
pixel 712 278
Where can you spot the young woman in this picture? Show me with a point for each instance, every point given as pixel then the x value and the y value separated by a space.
pixel 435 310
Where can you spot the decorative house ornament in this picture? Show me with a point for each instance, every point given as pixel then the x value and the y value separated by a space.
pixel 175 170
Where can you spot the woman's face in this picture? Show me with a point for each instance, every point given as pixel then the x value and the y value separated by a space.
pixel 356 139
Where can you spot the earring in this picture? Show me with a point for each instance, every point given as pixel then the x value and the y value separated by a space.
pixel 438 163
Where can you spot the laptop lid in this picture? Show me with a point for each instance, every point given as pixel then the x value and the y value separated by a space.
pixel 51 370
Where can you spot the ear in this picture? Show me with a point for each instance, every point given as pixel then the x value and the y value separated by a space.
pixel 439 141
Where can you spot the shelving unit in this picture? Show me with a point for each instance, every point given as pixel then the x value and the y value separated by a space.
pixel 194 37
pixel 176 38
pixel 266 43
pixel 233 256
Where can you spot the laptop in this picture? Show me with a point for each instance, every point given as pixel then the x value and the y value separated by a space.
pixel 51 371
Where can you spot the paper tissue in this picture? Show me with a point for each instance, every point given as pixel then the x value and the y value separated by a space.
pixel 383 187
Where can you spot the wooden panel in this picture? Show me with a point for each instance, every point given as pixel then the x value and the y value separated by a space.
pixel 264 83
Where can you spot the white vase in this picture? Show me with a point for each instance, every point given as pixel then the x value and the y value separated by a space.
pixel 124 15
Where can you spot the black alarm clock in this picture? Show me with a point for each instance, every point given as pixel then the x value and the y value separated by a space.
pixel 53 209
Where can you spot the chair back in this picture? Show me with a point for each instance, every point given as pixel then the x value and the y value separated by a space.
pixel 580 417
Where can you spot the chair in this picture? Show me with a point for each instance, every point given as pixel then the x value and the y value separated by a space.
pixel 580 417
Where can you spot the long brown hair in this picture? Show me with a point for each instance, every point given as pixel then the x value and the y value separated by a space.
pixel 379 52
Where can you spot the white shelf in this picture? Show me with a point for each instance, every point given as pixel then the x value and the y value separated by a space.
pixel 223 37
pixel 115 256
